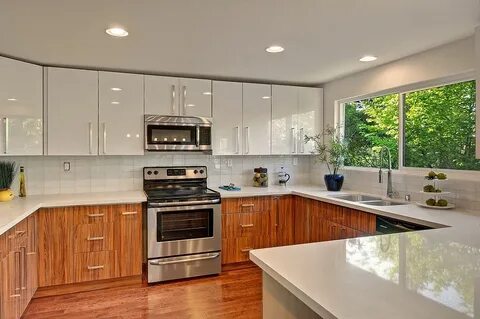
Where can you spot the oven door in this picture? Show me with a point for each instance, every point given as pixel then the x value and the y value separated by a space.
pixel 182 230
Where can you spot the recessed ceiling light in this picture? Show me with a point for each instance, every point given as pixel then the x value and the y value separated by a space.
pixel 116 89
pixel 265 97
pixel 115 102
pixel 12 99
pixel 207 93
pixel 275 49
pixel 117 32
pixel 368 58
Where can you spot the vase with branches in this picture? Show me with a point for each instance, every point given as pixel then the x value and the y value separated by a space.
pixel 8 170
pixel 331 149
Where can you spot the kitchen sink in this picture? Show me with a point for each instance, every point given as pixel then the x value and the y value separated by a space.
pixel 358 198
pixel 383 203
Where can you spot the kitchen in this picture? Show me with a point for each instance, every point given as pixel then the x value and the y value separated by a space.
pixel 178 163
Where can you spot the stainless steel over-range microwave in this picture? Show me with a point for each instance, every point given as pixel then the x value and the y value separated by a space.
pixel 178 133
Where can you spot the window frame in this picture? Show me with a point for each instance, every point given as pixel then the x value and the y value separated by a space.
pixel 339 120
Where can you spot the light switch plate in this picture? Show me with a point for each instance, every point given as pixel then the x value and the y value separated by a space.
pixel 66 166
pixel 295 161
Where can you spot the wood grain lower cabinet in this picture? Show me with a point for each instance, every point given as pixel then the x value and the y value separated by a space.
pixel 85 243
pixel 284 220
pixel 18 264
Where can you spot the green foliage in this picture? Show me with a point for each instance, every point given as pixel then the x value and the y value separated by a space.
pixel 330 148
pixel 8 170
pixel 371 124
pixel 439 126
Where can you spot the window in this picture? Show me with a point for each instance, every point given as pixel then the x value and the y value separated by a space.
pixel 439 125
pixel 438 128
pixel 371 124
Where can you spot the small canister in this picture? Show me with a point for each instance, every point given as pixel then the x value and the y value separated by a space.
pixel 260 177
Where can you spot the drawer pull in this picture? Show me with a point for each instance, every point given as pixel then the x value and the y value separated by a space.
pixel 246 250
pixel 246 225
pixel 248 205
pixel 20 232
pixel 95 238
pixel 129 213
pixel 95 267
pixel 95 215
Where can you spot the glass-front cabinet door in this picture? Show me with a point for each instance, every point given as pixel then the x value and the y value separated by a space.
pixel 21 108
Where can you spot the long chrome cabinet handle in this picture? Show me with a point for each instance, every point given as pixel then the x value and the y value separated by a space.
pixel 247 139
pixel 302 145
pixel 179 261
pixel 5 120
pixel 237 142
pixel 293 140
pixel 95 238
pixel 184 100
pixel 104 138
pixel 90 137
pixel 173 100
pixel 98 267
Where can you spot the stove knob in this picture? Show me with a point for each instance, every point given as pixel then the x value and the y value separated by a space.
pixel 149 172
pixel 195 172
pixel 155 172
pixel 201 171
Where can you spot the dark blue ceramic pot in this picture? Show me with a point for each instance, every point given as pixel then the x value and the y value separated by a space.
pixel 334 182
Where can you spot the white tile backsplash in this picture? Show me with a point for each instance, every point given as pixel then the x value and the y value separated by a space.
pixel 45 175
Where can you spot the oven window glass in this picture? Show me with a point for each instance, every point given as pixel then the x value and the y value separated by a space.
pixel 175 135
pixel 184 224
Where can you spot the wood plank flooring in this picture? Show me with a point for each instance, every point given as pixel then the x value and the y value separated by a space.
pixel 233 294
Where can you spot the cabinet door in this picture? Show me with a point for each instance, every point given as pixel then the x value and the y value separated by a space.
pixel 129 239
pixel 309 118
pixel 121 114
pixel 227 118
pixel 302 219
pixel 195 97
pixel 21 108
pixel 11 286
pixel 257 111
pixel 32 255
pixel 284 223
pixel 161 95
pixel 72 111
pixel 284 122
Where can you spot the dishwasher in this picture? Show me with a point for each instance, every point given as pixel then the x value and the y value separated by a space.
pixel 387 225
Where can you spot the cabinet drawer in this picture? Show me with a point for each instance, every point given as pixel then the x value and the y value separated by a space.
pixel 237 249
pixel 16 236
pixel 92 214
pixel 246 204
pixel 246 225
pixel 93 237
pixel 130 212
pixel 3 246
pixel 95 265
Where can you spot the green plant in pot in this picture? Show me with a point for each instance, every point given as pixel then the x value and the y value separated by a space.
pixel 8 170
pixel 331 150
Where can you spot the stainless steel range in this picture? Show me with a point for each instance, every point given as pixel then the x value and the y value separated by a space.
pixel 183 223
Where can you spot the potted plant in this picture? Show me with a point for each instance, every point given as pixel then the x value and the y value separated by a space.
pixel 8 170
pixel 330 149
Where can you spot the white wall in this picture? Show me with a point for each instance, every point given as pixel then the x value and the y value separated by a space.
pixel 445 61
pixel 45 175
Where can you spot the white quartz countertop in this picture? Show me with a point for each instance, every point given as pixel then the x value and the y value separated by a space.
pixel 425 274
pixel 18 209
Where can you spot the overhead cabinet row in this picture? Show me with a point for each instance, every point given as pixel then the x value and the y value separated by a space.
pixel 60 111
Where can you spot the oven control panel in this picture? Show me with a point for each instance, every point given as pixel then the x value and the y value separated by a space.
pixel 166 173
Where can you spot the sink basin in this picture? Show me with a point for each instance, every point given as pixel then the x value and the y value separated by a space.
pixel 383 203
pixel 358 198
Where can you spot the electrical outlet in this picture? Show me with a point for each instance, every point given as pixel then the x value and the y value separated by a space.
pixel 295 161
pixel 229 162
pixel 66 166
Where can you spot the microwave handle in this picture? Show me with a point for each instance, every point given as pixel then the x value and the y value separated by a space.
pixel 197 137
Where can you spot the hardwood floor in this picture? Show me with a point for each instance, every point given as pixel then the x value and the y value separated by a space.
pixel 233 294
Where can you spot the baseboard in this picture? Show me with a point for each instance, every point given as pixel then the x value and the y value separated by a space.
pixel 134 281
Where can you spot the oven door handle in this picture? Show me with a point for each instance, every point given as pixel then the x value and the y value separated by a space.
pixel 187 203
pixel 178 261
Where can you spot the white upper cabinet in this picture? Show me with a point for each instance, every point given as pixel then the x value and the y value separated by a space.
pixel 309 116
pixel 21 108
pixel 178 96
pixel 72 112
pixel 227 118
pixel 257 116
pixel 120 114
pixel 284 119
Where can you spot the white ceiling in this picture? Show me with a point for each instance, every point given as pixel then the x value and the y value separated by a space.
pixel 227 38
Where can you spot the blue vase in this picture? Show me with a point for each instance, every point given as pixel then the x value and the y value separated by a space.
pixel 334 182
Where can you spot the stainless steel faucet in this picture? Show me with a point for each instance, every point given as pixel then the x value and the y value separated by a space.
pixel 389 173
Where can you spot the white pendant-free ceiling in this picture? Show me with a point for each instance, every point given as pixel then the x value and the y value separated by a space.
pixel 323 39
